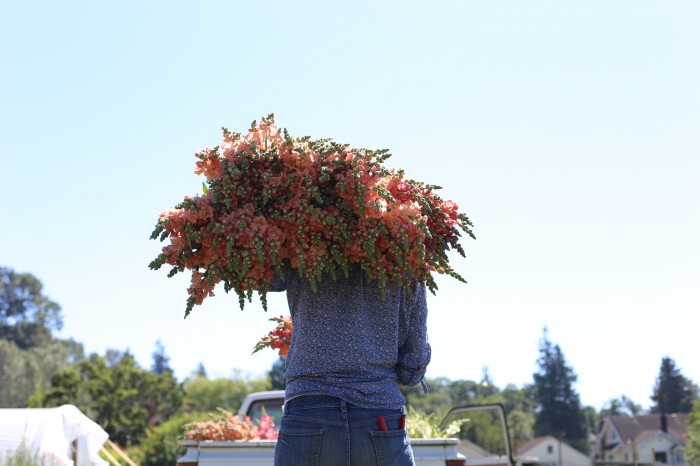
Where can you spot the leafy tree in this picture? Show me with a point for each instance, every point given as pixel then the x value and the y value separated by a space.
pixel 437 400
pixel 122 398
pixel 621 406
pixel 24 372
pixel 673 392
pixel 161 446
pixel 16 383
pixel 693 450
pixel 559 411
pixel 277 374
pixel 520 408
pixel 203 394
pixel 27 317
pixel 29 354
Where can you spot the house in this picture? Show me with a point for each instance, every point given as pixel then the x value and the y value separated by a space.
pixel 553 452
pixel 658 439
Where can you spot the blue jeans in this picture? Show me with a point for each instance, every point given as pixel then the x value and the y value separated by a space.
pixel 320 430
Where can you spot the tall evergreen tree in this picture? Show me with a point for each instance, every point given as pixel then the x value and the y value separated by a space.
pixel 201 371
pixel 161 361
pixel 277 373
pixel 673 392
pixel 559 411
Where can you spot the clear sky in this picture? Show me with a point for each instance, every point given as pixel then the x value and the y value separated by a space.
pixel 567 130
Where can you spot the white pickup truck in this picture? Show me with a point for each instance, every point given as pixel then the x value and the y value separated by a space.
pixel 427 452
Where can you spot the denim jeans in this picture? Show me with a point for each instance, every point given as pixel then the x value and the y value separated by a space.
pixel 320 430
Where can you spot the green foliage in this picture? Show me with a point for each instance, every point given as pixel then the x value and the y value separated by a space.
pixel 693 450
pixel 621 406
pixel 673 392
pixel 122 398
pixel 22 302
pixel 203 394
pixel 29 355
pixel 29 371
pixel 422 425
pixel 161 362
pixel 13 368
pixel 437 400
pixel 277 381
pixel 444 394
pixel 559 408
pixel 161 446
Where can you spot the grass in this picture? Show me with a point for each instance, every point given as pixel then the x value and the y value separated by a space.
pixel 23 456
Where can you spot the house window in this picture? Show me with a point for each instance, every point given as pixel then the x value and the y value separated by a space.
pixel 550 449
pixel 660 456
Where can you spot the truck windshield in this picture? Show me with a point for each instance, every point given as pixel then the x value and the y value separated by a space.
pixel 273 408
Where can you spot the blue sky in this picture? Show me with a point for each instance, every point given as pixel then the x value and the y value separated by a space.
pixel 568 131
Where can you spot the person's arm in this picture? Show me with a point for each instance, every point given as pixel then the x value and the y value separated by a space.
pixel 414 354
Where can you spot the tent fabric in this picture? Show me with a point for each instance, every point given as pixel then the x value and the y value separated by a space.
pixel 50 433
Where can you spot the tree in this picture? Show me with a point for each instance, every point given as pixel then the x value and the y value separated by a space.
pixel 201 371
pixel 16 383
pixel 161 446
pixel 437 400
pixel 559 411
pixel 24 372
pixel 21 300
pixel 621 406
pixel 27 317
pixel 693 449
pixel 161 362
pixel 203 394
pixel 277 374
pixel 673 392
pixel 122 398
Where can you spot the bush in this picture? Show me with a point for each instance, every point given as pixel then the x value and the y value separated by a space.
pixel 161 446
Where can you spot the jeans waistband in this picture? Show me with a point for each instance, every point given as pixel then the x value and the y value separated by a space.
pixel 315 401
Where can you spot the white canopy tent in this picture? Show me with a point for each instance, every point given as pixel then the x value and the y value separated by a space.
pixel 51 433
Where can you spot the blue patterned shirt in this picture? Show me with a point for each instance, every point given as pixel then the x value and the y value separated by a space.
pixel 351 343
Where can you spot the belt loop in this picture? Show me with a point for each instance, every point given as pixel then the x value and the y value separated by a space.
pixel 343 406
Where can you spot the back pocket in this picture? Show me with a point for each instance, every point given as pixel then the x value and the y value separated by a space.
pixel 392 448
pixel 298 447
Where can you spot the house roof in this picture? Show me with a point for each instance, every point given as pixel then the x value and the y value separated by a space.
pixel 527 446
pixel 638 428
pixel 530 444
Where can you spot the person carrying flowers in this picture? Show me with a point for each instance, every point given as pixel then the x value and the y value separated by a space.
pixel 352 346
pixel 354 245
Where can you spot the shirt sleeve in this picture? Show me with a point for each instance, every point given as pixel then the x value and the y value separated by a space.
pixel 414 354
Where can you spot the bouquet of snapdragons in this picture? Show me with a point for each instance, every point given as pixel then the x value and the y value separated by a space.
pixel 317 204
